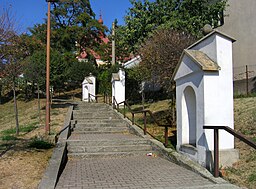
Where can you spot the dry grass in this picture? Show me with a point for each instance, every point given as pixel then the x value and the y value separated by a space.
pixel 154 130
pixel 243 172
pixel 21 166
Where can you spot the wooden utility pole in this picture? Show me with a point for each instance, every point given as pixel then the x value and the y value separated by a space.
pixel 47 108
pixel 113 44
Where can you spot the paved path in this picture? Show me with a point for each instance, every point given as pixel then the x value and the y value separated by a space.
pixel 125 169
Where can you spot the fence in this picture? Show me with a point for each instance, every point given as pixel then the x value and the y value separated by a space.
pixel 244 78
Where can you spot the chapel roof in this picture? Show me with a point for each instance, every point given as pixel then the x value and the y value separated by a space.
pixel 205 63
pixel 115 77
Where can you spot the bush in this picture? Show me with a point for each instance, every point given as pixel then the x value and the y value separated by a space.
pixel 39 143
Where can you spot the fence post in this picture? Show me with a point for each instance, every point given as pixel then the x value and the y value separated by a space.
pixel 133 118
pixel 89 97
pixel 247 80
pixel 145 123
pixel 166 136
pixel 216 153
pixel 124 111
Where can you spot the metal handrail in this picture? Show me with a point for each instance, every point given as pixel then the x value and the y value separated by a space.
pixel 216 143
pixel 95 96
pixel 144 118
pixel 67 123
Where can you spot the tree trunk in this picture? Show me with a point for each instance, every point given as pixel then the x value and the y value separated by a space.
pixel 26 91
pixel 15 108
pixel 143 100
pixel 0 94
pixel 38 100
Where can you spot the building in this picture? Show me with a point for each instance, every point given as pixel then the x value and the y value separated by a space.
pixel 204 83
pixel 83 56
pixel 240 23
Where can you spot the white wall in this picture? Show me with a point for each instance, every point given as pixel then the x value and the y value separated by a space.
pixel 213 97
pixel 118 87
pixel 88 88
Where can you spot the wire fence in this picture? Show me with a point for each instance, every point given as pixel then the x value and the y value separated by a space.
pixel 244 78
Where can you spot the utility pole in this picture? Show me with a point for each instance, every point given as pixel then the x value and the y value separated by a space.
pixel 47 108
pixel 113 45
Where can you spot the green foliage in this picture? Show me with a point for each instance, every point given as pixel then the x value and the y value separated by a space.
pixel 187 15
pixel 78 70
pixel 25 129
pixel 104 78
pixel 73 29
pixel 252 177
pixel 9 138
pixel 40 143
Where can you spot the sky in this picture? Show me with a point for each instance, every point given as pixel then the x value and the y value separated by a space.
pixel 30 12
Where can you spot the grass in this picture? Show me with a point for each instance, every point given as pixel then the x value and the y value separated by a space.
pixel 252 177
pixel 22 129
pixel 40 143
pixel 154 130
pixel 9 138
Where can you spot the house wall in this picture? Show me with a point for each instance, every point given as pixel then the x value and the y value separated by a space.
pixel 240 23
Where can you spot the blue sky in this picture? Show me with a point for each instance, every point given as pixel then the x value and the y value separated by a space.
pixel 30 12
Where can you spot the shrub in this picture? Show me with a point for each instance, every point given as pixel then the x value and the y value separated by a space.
pixel 39 143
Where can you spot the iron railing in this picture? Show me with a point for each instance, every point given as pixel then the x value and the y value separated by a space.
pixel 106 98
pixel 216 143
pixel 144 112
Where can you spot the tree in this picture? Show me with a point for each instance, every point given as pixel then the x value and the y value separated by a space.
pixel 72 22
pixel 75 21
pixel 187 15
pixel 7 32
pixel 15 53
pixel 34 72
pixel 104 77
pixel 161 52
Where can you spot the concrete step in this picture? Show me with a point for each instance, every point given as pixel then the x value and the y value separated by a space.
pixel 101 129
pixel 107 154
pixel 107 142
pixel 102 132
pixel 98 121
pixel 95 116
pixel 118 124
pixel 99 149
pixel 85 106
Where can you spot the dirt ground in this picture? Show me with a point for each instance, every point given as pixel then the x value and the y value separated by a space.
pixel 22 167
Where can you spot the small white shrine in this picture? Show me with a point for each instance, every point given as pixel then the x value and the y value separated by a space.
pixel 204 97
pixel 118 86
pixel 89 87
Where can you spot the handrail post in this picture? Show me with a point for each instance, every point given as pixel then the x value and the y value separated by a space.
pixel 132 118
pixel 166 136
pixel 124 110
pixel 216 153
pixel 145 123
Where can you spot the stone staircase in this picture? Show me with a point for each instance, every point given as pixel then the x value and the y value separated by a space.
pixel 100 132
